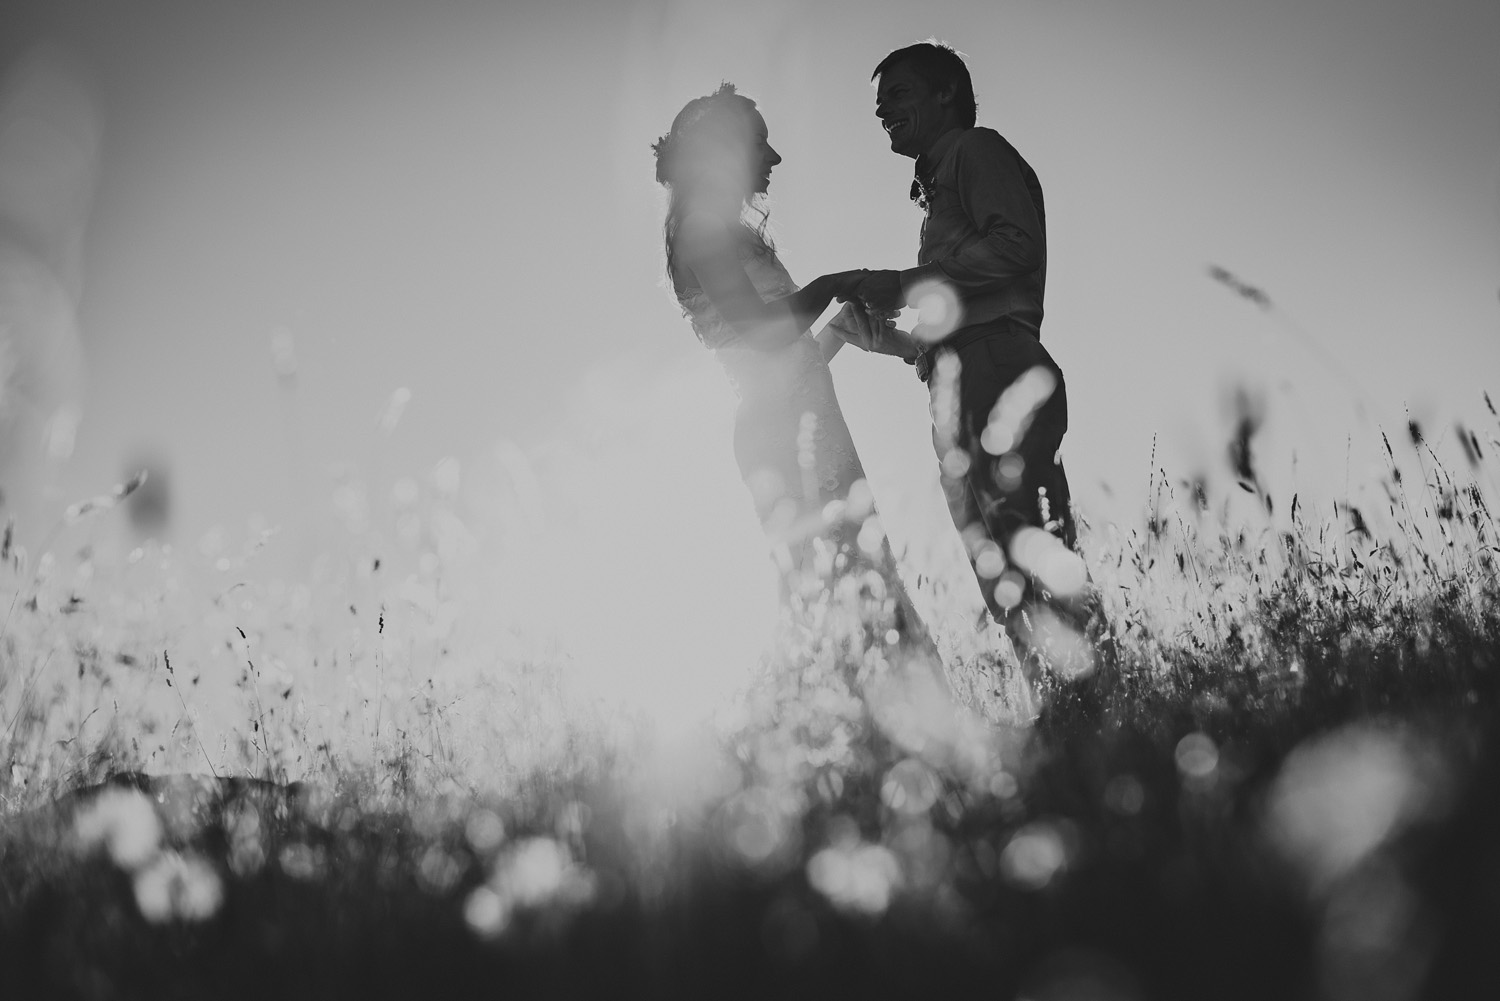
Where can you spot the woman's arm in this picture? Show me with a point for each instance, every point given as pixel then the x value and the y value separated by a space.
pixel 829 341
pixel 872 330
pixel 705 245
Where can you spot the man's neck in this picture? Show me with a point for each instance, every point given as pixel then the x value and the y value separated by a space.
pixel 928 158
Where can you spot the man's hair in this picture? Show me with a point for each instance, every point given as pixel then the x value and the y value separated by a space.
pixel 939 66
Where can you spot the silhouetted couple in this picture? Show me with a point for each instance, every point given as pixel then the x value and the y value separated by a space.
pixel 998 399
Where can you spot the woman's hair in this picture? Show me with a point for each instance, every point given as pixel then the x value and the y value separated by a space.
pixel 720 117
pixel 939 66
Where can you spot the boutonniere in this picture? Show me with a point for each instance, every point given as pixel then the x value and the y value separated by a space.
pixel 921 193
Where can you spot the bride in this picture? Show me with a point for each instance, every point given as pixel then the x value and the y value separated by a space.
pixel 792 446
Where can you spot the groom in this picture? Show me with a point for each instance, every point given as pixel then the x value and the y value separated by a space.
pixel 983 251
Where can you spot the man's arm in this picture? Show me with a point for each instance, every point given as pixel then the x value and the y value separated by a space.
pixel 993 193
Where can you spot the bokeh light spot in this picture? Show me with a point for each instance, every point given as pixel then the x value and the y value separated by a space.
pixel 1064 651
pixel 989 562
pixel 486 912
pixel 484 831
pixel 1009 590
pixel 910 788
pixel 1034 856
pixel 1008 472
pixel 939 311
pixel 1060 570
pixel 1197 756
pixel 301 861
pixel 395 407
pixel 860 879
pixel 1003 785
pixel 1340 797
pixel 1125 795
pixel 1011 416
pixel 956 463
pixel 860 501
pixel 174 887
pixel 125 823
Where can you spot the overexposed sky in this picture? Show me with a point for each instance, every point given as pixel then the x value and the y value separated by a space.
pixel 456 197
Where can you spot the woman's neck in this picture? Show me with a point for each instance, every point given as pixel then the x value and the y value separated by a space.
pixel 729 206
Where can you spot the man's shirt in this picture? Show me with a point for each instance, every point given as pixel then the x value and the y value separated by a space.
pixel 985 231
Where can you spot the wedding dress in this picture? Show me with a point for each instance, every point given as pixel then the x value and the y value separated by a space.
pixel 799 462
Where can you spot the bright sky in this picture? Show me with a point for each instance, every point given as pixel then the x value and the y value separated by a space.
pixel 456 197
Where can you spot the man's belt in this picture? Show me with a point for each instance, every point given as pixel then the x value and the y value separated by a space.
pixel 926 360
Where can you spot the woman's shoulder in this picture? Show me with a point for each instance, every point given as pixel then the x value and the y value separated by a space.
pixel 704 234
pixel 699 232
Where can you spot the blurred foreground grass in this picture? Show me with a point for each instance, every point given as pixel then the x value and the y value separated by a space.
pixel 363 786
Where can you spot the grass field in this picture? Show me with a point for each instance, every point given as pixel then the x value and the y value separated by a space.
pixel 1284 787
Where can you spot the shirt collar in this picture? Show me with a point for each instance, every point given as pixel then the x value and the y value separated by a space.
pixel 927 164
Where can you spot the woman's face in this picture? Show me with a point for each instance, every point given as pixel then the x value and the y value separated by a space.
pixel 736 154
pixel 763 155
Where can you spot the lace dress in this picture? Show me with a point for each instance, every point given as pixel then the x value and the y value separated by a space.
pixel 798 459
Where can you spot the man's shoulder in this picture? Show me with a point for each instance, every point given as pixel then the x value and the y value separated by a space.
pixel 979 146
pixel 982 140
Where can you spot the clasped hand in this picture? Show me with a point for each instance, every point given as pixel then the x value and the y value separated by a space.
pixel 869 329
pixel 878 290
pixel 865 321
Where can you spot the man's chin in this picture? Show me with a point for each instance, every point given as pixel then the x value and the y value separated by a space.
pixel 902 146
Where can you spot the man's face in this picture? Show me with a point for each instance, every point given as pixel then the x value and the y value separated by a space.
pixel 914 115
